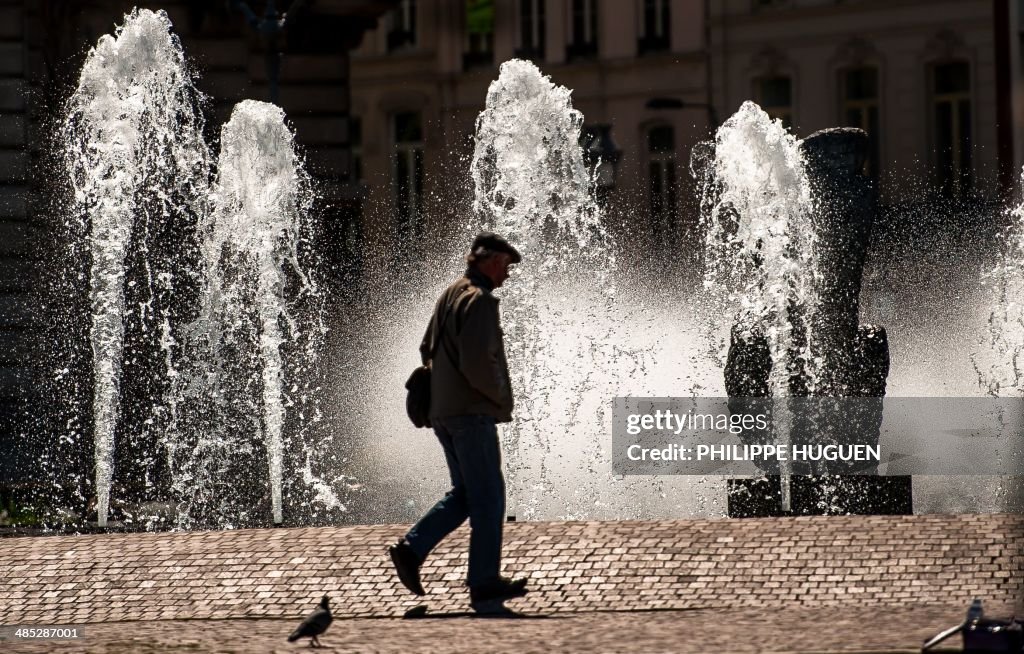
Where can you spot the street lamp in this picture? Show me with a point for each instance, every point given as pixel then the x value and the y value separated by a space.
pixel 602 156
pixel 269 28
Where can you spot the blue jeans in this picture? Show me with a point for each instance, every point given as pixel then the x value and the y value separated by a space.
pixel 473 454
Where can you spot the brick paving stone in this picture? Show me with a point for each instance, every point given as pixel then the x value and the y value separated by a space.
pixel 670 564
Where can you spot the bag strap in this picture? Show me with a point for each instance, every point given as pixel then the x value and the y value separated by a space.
pixel 449 308
pixel 440 333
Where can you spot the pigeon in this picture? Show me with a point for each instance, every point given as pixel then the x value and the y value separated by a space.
pixel 314 625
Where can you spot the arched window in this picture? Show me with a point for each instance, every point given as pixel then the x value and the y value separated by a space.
pixel 662 184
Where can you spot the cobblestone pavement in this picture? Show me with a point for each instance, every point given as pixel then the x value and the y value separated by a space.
pixel 860 629
pixel 572 567
pixel 814 584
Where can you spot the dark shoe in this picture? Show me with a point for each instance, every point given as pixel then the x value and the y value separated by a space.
pixel 407 564
pixel 500 589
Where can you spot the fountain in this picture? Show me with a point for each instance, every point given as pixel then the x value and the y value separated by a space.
pixel 139 167
pixel 788 225
pixel 205 319
pixel 757 199
pixel 573 345
pixel 206 312
pixel 528 126
pixel 258 300
pixel 997 363
pixel 999 367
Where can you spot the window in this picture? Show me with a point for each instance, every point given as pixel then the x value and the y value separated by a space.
pixel 479 34
pixel 407 174
pixel 661 168
pixel 583 26
pixel 859 108
pixel 355 141
pixel 951 115
pixel 531 29
pixel 775 95
pixel 655 24
pixel 401 22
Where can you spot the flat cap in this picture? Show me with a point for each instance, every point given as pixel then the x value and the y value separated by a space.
pixel 495 243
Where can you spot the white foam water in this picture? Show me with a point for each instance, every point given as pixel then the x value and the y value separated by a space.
pixel 761 252
pixel 254 239
pixel 137 160
pixel 999 363
pixel 260 325
pixel 760 241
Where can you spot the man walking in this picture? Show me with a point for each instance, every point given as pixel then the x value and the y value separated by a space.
pixel 470 393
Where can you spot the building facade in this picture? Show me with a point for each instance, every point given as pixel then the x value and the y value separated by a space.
pixel 420 79
pixel 936 84
pixel 920 77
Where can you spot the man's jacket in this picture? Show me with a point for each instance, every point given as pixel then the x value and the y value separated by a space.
pixel 469 370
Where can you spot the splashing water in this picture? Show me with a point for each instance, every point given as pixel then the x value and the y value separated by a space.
pixel 998 365
pixel 256 230
pixel 528 173
pixel 760 240
pixel 532 186
pixel 579 331
pixel 206 320
pixel 139 168
pixel 251 259
pixel 760 243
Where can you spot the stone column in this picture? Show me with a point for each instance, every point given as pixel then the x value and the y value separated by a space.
pixel 844 208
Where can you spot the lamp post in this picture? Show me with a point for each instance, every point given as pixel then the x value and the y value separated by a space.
pixel 269 28
pixel 602 156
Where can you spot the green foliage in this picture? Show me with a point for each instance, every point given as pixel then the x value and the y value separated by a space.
pixel 480 16
pixel 15 513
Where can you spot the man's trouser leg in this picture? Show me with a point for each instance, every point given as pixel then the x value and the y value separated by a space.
pixel 478 452
pixel 473 454
pixel 450 511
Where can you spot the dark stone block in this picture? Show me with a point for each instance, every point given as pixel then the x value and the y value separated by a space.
pixel 835 495
pixel 748 364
